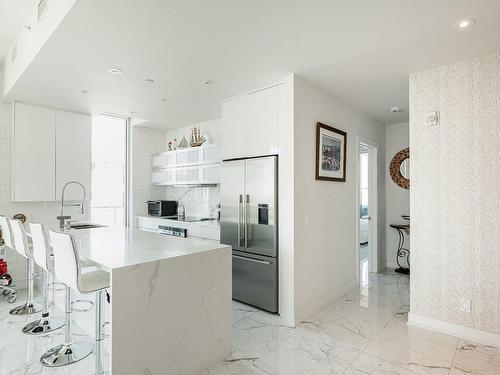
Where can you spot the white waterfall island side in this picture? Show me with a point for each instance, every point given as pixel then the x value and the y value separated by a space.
pixel 171 299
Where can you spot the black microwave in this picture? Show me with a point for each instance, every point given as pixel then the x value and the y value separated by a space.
pixel 162 208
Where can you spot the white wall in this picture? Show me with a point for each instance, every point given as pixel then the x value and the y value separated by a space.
pixel 34 211
pixel 325 252
pixel 397 137
pixel 455 194
pixel 145 143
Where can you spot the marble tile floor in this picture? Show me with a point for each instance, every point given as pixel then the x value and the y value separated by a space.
pixel 19 353
pixel 364 332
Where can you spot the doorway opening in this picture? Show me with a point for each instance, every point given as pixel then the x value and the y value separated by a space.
pixel 109 170
pixel 367 259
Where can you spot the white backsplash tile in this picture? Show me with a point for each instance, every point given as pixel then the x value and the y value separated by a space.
pixel 197 201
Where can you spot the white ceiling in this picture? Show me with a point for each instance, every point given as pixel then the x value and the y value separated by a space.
pixel 13 13
pixel 360 51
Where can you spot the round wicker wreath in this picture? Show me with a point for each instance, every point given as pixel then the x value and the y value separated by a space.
pixel 395 169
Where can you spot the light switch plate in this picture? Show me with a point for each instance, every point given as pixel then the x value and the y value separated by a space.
pixel 433 118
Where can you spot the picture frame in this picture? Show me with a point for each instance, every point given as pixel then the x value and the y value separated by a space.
pixel 331 153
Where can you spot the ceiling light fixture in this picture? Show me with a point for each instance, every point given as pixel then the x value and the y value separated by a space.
pixel 115 71
pixel 149 80
pixel 208 82
pixel 84 91
pixel 133 113
pixel 465 23
pixel 165 100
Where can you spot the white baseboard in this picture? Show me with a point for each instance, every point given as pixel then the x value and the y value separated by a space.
pixel 381 267
pixel 472 334
pixel 319 304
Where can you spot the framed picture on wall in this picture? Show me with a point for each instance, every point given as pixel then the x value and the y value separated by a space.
pixel 331 150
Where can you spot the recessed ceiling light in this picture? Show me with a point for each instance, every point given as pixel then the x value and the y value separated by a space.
pixel 208 82
pixel 396 109
pixel 465 24
pixel 133 113
pixel 115 71
pixel 84 91
pixel 165 100
pixel 149 80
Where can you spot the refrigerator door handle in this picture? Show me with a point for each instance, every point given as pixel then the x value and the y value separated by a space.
pixel 240 222
pixel 248 242
pixel 252 260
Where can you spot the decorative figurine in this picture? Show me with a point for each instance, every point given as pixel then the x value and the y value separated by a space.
pixel 196 138
pixel 184 143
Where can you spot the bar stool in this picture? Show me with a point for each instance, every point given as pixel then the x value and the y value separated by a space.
pixel 43 258
pixel 20 243
pixel 67 270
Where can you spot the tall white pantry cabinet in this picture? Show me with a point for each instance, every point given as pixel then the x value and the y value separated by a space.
pixel 250 124
pixel 50 147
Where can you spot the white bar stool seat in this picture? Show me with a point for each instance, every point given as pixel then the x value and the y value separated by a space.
pixel 20 243
pixel 43 258
pixel 68 270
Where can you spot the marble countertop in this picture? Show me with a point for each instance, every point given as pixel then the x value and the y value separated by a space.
pixel 112 248
pixel 204 223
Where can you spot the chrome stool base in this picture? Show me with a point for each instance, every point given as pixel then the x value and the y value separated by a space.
pixel 44 325
pixel 66 354
pixel 29 308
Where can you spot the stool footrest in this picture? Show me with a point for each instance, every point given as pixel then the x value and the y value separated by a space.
pixel 83 301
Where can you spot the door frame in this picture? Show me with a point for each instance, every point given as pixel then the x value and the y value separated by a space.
pixel 372 199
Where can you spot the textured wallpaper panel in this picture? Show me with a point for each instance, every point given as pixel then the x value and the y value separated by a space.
pixel 455 193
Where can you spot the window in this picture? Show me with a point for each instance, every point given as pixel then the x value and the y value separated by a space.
pixel 109 170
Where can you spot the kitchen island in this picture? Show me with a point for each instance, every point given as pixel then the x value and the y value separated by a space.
pixel 170 299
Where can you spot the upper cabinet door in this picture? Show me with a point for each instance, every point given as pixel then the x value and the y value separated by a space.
pixel 73 153
pixel 250 124
pixel 235 122
pixel 263 128
pixel 33 154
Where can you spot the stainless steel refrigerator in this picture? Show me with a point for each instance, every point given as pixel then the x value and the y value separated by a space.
pixel 248 223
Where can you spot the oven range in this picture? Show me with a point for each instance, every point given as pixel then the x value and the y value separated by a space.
pixel 172 231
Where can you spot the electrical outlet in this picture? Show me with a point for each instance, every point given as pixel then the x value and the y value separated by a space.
pixel 464 305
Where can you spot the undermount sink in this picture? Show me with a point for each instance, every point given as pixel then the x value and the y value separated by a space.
pixel 85 226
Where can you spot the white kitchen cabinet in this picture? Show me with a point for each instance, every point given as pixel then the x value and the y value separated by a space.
pixel 33 160
pixel 186 176
pixel 196 175
pixel 235 121
pixel 50 148
pixel 250 124
pixel 190 166
pixel 163 177
pixel 73 153
pixel 262 134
